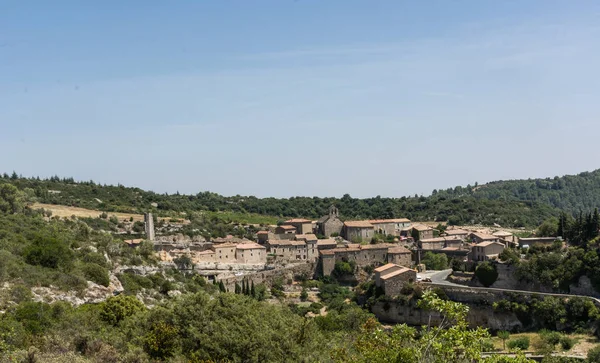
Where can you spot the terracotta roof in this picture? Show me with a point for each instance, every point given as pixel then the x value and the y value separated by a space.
pixel 224 245
pixel 395 273
pixel 421 227
pixel 298 220
pixel 502 234
pixel 326 242
pixel 358 224
pixel 440 239
pixel 394 220
pixel 134 241
pixel 379 246
pixel 398 249
pixel 452 232
pixel 287 226
pixel 487 243
pixel 262 232
pixel 385 267
pixel 207 252
pixel 327 252
pixel 248 246
pixel 484 236
pixel 308 237
pixel 292 243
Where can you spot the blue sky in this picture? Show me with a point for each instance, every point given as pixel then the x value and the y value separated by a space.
pixel 283 98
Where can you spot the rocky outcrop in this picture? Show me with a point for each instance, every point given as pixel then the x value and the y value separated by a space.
pixel 93 294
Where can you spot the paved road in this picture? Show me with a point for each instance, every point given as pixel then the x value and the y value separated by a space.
pixel 438 278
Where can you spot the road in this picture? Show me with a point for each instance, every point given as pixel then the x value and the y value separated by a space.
pixel 438 278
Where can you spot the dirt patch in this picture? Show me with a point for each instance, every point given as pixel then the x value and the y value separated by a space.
pixel 64 211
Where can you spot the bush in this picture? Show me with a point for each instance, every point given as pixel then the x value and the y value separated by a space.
pixel 116 309
pixel 521 343
pixel 304 295
pixel 435 261
pixel 594 355
pixel 567 343
pixel 486 273
pixel 96 273
pixel 49 252
pixel 551 337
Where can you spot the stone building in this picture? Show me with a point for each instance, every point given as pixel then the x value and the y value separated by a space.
pixel 484 251
pixel 312 252
pixel 303 226
pixel 330 224
pixel 262 237
pixel 391 227
pixel 536 241
pixel 391 278
pixel 250 253
pixel 285 229
pixel 477 237
pixel 224 252
pixel 358 231
pixel 457 232
pixel 425 232
pixel 400 256
pixel 438 243
pixel 362 255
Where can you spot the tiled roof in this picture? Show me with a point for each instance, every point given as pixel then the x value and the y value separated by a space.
pixel 308 237
pixel 286 226
pixel 358 224
pixel 394 220
pixel 326 242
pixel 262 232
pixel 395 273
pixel 487 243
pixel 483 236
pixel 298 220
pixel 248 246
pixel 421 227
pixel 502 234
pixel 398 249
pixel 385 267
pixel 453 232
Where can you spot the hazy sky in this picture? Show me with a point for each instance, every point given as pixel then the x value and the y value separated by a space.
pixel 306 97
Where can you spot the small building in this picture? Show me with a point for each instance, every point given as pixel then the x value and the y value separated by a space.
pixel 358 231
pixel 425 232
pixel 302 225
pixel 285 229
pixel 477 237
pixel 485 251
pixel 224 252
pixel 457 232
pixel 330 224
pixel 385 269
pixel 326 244
pixel 262 236
pixel 537 241
pixel 392 278
pixel 250 253
pixel 400 256
pixel 391 227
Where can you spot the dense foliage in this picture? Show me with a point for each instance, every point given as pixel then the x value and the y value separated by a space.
pixel 456 206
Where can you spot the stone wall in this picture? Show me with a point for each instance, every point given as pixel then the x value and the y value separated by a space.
pixel 268 276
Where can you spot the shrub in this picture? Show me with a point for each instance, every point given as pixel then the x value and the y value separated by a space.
pixel 116 309
pixel 551 337
pixel 304 295
pixel 486 273
pixel 521 343
pixel 49 252
pixel 594 355
pixel 96 273
pixel 566 343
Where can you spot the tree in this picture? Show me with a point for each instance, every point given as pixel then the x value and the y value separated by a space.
pixel 183 262
pixel 594 355
pixel 435 261
pixel 252 290
pixel 504 335
pixel 11 199
pixel 303 295
pixel 237 288
pixel 486 273
pixel 549 228
pixel 222 287
pixel 116 309
pixel 96 273
pixel 49 251
pixel 415 234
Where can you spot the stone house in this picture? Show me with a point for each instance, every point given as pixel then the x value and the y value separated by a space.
pixel 425 232
pixel 224 252
pixel 312 252
pixel 362 255
pixel 262 237
pixel 285 229
pixel 326 244
pixel 330 224
pixel 358 231
pixel 477 237
pixel 484 251
pixel 438 243
pixel 457 232
pixel 303 226
pixel 504 236
pixel 400 256
pixel 391 227
pixel 250 253
pixel 391 278
pixel 289 250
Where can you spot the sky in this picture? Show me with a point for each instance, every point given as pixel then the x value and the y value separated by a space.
pixel 299 97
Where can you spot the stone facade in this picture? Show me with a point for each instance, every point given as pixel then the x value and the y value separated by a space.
pixel 330 224
pixel 391 227
pixel 393 278
pixel 358 231
pixel 362 255
pixel 400 256
pixel 285 229
pixel 486 250
pixel 303 226
pixel 250 253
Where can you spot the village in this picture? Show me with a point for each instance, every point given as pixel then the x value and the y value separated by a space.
pixel 392 247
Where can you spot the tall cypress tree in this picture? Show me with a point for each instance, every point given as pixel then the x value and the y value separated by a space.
pixel 237 288
pixel 222 286
pixel 252 291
